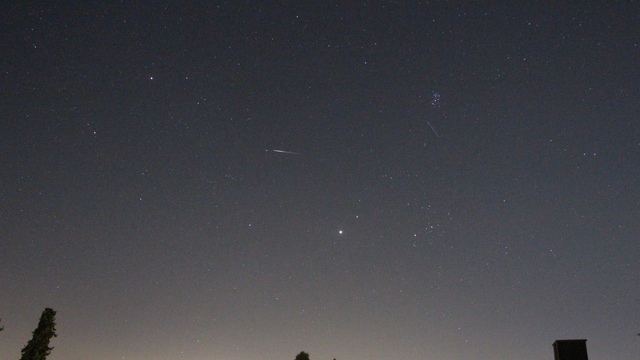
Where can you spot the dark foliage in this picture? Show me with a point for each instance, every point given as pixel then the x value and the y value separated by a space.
pixel 38 347
pixel 302 356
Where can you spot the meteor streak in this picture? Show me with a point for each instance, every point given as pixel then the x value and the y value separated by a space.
pixel 434 130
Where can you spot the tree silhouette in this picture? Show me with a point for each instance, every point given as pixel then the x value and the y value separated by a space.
pixel 38 347
pixel 302 356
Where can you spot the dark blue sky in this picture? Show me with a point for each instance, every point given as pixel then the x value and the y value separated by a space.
pixel 142 198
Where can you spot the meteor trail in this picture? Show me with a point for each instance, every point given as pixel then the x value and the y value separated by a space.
pixel 285 152
pixel 434 130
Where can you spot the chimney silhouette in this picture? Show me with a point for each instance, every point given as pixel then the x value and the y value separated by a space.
pixel 570 350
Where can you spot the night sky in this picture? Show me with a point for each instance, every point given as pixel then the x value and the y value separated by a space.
pixel 240 180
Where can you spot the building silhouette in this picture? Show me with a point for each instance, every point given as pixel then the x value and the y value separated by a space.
pixel 570 350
